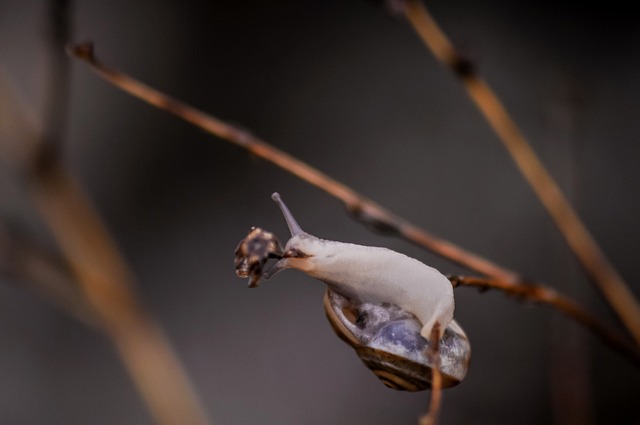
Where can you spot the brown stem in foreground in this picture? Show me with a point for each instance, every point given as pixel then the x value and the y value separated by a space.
pixel 433 353
pixel 108 288
pixel 544 295
pixel 363 208
pixel 584 246
pixel 106 295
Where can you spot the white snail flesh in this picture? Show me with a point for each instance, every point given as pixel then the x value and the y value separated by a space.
pixel 383 303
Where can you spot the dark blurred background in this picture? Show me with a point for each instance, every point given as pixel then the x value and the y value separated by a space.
pixel 351 90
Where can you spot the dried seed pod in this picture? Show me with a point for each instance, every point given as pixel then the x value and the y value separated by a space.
pixel 253 252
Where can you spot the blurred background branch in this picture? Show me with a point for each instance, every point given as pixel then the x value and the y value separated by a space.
pixel 591 257
pixel 105 294
pixel 109 290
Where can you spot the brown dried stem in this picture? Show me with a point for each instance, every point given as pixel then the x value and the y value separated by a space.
pixel 545 295
pixel 363 208
pixel 433 353
pixel 105 284
pixel 584 246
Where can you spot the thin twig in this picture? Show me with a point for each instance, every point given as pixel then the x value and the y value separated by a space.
pixel 433 353
pixel 544 295
pixel 364 209
pixel 586 249
pixel 368 211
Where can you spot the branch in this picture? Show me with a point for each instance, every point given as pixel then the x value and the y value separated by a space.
pixel 108 288
pixel 361 207
pixel 100 272
pixel 584 246
pixel 433 353
pixel 544 295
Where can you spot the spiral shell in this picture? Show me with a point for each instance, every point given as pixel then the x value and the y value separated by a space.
pixel 387 339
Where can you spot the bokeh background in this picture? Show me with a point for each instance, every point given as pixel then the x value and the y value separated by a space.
pixel 351 90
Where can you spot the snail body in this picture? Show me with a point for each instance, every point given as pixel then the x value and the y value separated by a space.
pixel 370 274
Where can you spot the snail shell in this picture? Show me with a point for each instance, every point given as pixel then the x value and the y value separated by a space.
pixel 387 339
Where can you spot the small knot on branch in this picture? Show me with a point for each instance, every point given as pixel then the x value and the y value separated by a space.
pixel 82 51
pixel 455 280
pixel 482 284
pixel 380 225
pixel 462 66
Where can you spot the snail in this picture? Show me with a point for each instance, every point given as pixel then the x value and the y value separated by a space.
pixel 382 303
